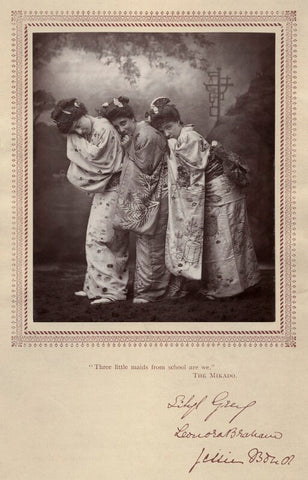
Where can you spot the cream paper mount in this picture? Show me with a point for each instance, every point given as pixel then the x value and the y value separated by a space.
pixel 281 333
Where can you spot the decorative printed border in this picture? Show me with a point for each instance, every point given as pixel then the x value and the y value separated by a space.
pixel 22 335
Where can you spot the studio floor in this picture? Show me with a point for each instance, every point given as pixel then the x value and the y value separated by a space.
pixel 54 301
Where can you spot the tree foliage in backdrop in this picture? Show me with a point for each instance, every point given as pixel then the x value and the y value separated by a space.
pixel 122 49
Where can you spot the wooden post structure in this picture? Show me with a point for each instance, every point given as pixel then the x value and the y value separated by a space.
pixel 217 88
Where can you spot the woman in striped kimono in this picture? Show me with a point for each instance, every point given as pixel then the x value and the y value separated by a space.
pixel 142 205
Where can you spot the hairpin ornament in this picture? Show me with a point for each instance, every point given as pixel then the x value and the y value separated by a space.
pixel 154 109
pixel 159 102
pixel 117 103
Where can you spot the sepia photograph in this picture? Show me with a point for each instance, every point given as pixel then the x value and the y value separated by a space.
pixel 154 257
pixel 153 177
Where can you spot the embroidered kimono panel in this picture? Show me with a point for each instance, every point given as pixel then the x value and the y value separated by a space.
pixel 141 181
pixel 186 178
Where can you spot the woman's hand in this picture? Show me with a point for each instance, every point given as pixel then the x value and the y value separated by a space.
pixel 125 141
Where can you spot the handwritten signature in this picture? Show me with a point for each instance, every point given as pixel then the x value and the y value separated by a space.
pixel 185 432
pixel 254 455
pixel 208 406
pixel 221 400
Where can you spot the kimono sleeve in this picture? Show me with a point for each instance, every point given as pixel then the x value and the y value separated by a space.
pixel 149 151
pixel 193 150
pixel 104 157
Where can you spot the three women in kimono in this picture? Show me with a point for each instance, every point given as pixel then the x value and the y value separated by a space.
pixel 208 234
pixel 188 214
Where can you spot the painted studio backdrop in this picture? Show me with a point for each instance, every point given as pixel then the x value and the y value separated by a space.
pixel 97 66
pixel 222 83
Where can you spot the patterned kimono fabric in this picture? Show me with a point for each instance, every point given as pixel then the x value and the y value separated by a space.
pixel 96 163
pixel 230 264
pixel 208 235
pixel 184 242
pixel 142 207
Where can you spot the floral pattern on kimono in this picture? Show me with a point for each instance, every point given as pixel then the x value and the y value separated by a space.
pixel 184 242
pixel 142 181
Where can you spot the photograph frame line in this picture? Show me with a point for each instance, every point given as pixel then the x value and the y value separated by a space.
pixel 23 333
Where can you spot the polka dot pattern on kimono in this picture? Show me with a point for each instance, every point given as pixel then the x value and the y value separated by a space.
pixel 105 255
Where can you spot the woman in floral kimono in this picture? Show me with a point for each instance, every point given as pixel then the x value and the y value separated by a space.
pixel 142 205
pixel 96 157
pixel 208 235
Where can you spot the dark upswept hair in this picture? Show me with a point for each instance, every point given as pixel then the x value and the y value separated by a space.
pixel 66 112
pixel 116 108
pixel 162 111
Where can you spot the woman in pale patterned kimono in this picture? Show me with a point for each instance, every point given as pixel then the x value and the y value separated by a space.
pixel 142 205
pixel 208 235
pixel 96 157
